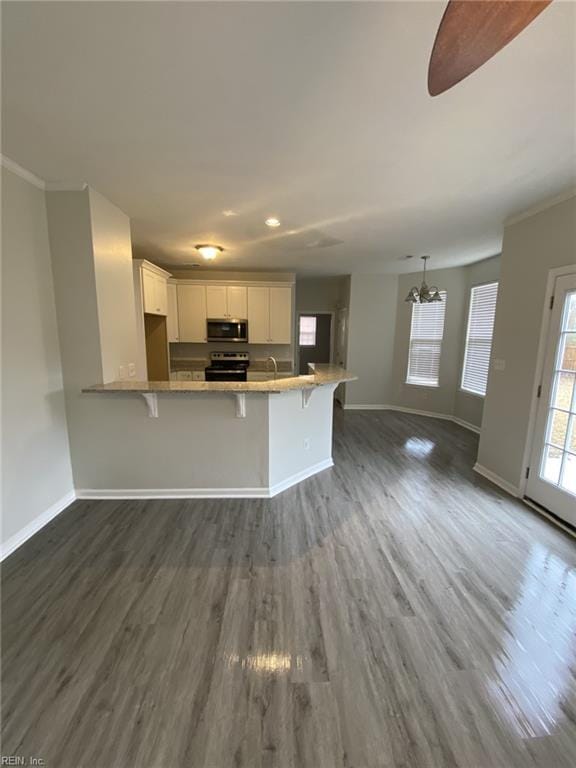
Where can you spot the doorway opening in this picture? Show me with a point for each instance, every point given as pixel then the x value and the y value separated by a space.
pixel 314 339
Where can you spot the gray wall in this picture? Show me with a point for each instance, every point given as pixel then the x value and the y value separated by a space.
pixel 531 248
pixel 320 294
pixel 36 472
pixel 371 328
pixel 94 292
pixel 196 442
pixel 112 252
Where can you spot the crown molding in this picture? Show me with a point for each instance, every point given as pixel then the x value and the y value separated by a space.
pixel 65 186
pixel 46 186
pixel 10 165
pixel 542 206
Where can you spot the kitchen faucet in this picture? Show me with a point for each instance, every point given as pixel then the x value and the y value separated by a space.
pixel 274 363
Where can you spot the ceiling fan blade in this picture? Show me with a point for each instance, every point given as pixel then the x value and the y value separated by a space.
pixel 471 32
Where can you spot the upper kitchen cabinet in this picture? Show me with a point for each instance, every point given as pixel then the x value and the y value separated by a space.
pixel 226 302
pixel 154 289
pixel 172 324
pixel 280 315
pixel 258 315
pixel 269 315
pixel 237 296
pixel 191 312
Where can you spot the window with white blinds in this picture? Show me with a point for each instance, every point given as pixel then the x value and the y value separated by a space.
pixel 426 333
pixel 479 338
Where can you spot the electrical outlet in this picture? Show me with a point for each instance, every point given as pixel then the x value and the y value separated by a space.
pixel 131 369
pixel 121 372
pixel 306 443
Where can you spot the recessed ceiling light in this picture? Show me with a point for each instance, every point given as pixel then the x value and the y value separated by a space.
pixel 272 222
pixel 209 252
pixel 229 213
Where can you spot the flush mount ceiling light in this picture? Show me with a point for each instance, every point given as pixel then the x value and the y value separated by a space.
pixel 209 252
pixel 272 222
pixel 423 295
pixel 229 212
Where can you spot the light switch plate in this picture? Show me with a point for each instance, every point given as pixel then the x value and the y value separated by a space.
pixel 498 364
pixel 121 372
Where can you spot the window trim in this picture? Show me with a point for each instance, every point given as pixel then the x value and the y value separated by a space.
pixel 461 387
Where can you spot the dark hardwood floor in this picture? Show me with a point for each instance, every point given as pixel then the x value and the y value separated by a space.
pixel 397 610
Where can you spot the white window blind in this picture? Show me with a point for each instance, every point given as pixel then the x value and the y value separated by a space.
pixel 426 333
pixel 479 338
pixel 307 334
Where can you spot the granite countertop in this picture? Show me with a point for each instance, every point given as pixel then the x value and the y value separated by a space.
pixel 322 374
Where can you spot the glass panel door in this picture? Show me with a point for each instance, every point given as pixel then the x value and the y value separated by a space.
pixel 552 480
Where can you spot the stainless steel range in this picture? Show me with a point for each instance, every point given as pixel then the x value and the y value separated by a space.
pixel 228 366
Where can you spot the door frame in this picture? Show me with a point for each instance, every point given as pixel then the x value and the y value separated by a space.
pixel 305 312
pixel 553 275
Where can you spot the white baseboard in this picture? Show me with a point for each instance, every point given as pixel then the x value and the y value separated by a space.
pixel 497 480
pixel 466 424
pixel 368 407
pixel 299 476
pixel 35 525
pixel 415 412
pixel 263 492
pixel 172 493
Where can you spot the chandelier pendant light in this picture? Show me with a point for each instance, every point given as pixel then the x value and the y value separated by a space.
pixel 424 294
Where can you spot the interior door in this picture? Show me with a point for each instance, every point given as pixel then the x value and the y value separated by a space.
pixel 552 477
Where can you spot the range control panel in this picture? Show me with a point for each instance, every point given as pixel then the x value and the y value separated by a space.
pixel 231 357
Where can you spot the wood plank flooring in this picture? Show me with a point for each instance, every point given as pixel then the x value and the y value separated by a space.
pixel 397 611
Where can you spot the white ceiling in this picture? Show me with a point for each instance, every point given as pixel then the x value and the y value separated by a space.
pixel 317 113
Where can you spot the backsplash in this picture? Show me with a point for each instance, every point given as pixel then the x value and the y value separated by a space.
pixel 189 357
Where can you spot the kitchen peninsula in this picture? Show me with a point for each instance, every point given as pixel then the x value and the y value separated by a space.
pixel 209 439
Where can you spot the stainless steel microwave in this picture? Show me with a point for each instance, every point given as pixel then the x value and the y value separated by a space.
pixel 226 330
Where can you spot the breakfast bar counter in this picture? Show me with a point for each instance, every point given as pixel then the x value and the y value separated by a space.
pixel 321 376
pixel 206 438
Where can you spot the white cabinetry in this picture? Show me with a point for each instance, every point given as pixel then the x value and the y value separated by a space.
pixel 269 315
pixel 280 315
pixel 225 302
pixel 237 296
pixel 258 315
pixel 154 291
pixel 192 312
pixel 172 325
pixel 216 304
pixel 268 309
